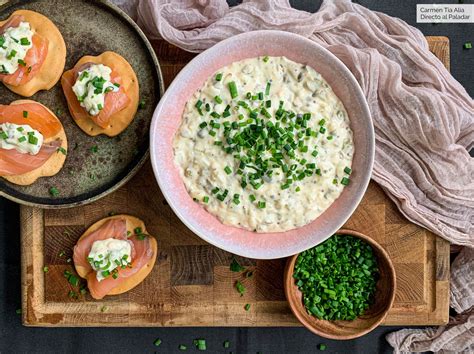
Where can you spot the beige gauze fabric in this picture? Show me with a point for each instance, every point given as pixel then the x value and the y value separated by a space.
pixel 423 118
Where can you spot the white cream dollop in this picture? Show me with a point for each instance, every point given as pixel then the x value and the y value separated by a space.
pixel 22 138
pixel 107 255
pixel 14 44
pixel 91 86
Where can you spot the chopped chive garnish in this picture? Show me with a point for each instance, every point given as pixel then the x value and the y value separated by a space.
pixel 265 58
pixel 3 135
pixel 94 149
pixel 240 287
pixel 219 77
pixel 32 139
pixel 200 344
pixel 203 125
pixel 235 266
pixel 228 170
pixel 322 130
pixel 226 344
pixel 252 198
pixel 100 107
pixel 215 115
pixel 233 89
pixel 205 199
pixel 198 104
pixel 24 41
pixel 247 307
pixel 322 347
pixel 21 139
pixel 21 62
pixel 45 269
pixel 12 54
pixel 330 137
pixel 218 99
pixel 141 105
pixel 54 192
pixel 267 88
pixel 467 45
pixel 347 170
pixel 182 347
pixel 345 181
pixel 261 205
pixel 25 114
pixel 157 342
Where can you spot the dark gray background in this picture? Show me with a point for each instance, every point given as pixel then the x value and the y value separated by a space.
pixel 15 338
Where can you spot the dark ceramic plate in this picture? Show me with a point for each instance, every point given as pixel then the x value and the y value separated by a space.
pixel 90 28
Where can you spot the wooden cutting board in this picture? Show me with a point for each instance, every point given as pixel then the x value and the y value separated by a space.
pixel 191 284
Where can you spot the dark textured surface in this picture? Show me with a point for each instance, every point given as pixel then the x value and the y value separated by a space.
pixel 89 28
pixel 15 338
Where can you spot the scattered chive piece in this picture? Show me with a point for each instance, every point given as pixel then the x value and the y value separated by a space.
pixel 182 347
pixel 322 347
pixel 240 287
pixel 252 198
pixel 73 280
pixel 18 311
pixel 247 307
pixel 345 181
pixel 24 41
pixel 235 266
pixel 21 139
pixel 347 170
pixel 94 148
pixel 261 205
pixel 467 45
pixel 62 150
pixel 54 191
pixel 205 199
pixel 228 170
pixel 157 342
pixel 200 344
pixel 266 58
pixel 233 89
pixel 45 269
pixel 103 308
pixel 218 99
pixel 141 105
pixel 25 114
pixel 21 62
pixel 226 344
pixel 100 107
pixel 219 77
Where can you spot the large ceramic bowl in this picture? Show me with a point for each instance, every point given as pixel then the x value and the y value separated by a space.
pixel 167 119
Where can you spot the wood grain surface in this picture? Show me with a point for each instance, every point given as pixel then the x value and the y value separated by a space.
pixel 191 284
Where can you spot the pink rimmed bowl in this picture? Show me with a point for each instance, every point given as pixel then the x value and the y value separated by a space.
pixel 167 119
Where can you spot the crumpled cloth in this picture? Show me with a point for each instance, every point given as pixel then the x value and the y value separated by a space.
pixel 458 335
pixel 423 118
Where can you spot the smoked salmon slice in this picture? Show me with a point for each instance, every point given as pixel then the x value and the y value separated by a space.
pixel 113 228
pixel 14 163
pixel 34 58
pixel 37 117
pixel 114 101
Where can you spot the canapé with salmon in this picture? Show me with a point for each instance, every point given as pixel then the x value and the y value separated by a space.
pixel 33 143
pixel 32 53
pixel 114 255
pixel 102 93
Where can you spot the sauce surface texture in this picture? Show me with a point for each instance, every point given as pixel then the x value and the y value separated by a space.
pixel 265 145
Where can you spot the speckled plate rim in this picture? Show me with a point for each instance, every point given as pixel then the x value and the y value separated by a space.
pixel 118 12
pixel 204 224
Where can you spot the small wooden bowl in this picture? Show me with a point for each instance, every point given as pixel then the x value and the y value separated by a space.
pixel 375 314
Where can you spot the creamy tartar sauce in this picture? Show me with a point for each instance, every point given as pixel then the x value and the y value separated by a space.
pixel 91 86
pixel 265 144
pixel 108 255
pixel 14 43
pixel 22 138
